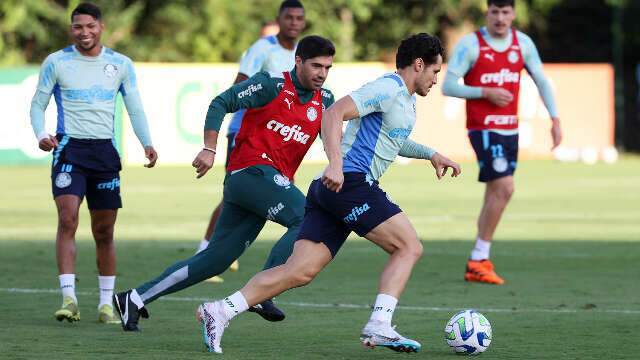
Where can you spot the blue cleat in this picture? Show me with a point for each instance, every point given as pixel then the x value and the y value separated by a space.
pixel 381 334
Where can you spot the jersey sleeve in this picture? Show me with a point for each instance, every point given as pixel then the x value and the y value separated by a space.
pixel 533 64
pixel 47 79
pixel 376 96
pixel 327 98
pixel 464 55
pixel 256 91
pixel 133 103
pixel 253 59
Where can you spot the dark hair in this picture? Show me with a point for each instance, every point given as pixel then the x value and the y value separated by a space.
pixel 422 45
pixel 87 9
pixel 313 45
pixel 286 4
pixel 501 3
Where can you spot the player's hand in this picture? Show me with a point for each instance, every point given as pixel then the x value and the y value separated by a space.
pixel 497 96
pixel 556 132
pixel 441 163
pixel 48 143
pixel 333 178
pixel 203 162
pixel 151 154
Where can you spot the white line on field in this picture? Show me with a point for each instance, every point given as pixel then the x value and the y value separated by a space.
pixel 352 306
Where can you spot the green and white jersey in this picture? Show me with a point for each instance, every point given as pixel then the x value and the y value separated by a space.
pixel 387 114
pixel 85 90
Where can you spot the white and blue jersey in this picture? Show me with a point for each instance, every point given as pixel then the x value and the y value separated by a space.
pixel 268 55
pixel 387 115
pixel 85 90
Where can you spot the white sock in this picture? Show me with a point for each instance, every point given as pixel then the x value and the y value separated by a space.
pixel 234 305
pixel 203 245
pixel 106 285
pixel 135 297
pixel 383 308
pixel 481 250
pixel 68 285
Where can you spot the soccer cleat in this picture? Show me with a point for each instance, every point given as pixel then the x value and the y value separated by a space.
pixel 268 311
pixel 213 320
pixel 128 311
pixel 106 315
pixel 379 333
pixel 215 280
pixel 235 265
pixel 69 310
pixel 482 271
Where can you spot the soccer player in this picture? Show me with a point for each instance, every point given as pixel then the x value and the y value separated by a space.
pixel 284 113
pixel 84 80
pixel 271 53
pixel 490 61
pixel 347 197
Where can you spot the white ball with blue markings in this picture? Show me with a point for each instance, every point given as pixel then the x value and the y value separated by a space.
pixel 468 332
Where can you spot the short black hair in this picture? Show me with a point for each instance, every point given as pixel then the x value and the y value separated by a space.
pixel 286 4
pixel 87 9
pixel 422 45
pixel 313 45
pixel 501 3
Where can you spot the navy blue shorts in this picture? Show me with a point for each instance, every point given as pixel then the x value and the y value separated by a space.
pixel 87 167
pixel 231 143
pixel 330 217
pixel 497 154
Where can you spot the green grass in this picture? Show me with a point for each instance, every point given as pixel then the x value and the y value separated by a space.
pixel 568 247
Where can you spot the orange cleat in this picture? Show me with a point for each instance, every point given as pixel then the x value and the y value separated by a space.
pixel 482 271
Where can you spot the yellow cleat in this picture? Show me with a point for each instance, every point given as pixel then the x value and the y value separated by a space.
pixel 69 310
pixel 234 266
pixel 106 315
pixel 215 280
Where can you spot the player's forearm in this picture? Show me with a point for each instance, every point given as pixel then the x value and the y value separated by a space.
pixel 215 115
pixel 546 93
pixel 138 118
pixel 38 106
pixel 210 139
pixel 331 133
pixel 452 87
pixel 412 149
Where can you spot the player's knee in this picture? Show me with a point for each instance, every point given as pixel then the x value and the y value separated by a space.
pixel 414 248
pixel 302 276
pixel 68 221
pixel 506 192
pixel 103 233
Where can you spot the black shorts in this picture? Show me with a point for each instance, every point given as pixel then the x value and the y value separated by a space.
pixel 330 217
pixel 497 154
pixel 87 167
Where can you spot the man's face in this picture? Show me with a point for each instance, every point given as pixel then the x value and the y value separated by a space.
pixel 499 20
pixel 314 71
pixel 291 22
pixel 86 31
pixel 428 76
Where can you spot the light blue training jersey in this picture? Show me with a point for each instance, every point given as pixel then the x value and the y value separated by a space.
pixel 387 114
pixel 268 55
pixel 85 89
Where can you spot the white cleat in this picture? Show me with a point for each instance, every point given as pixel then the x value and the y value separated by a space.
pixel 213 322
pixel 379 333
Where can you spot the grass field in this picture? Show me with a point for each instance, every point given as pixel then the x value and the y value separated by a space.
pixel 569 248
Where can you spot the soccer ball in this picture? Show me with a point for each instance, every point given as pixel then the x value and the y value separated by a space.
pixel 468 332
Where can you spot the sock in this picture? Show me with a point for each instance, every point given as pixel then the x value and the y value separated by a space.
pixel 106 285
pixel 68 285
pixel 234 305
pixel 136 299
pixel 383 309
pixel 203 245
pixel 481 250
